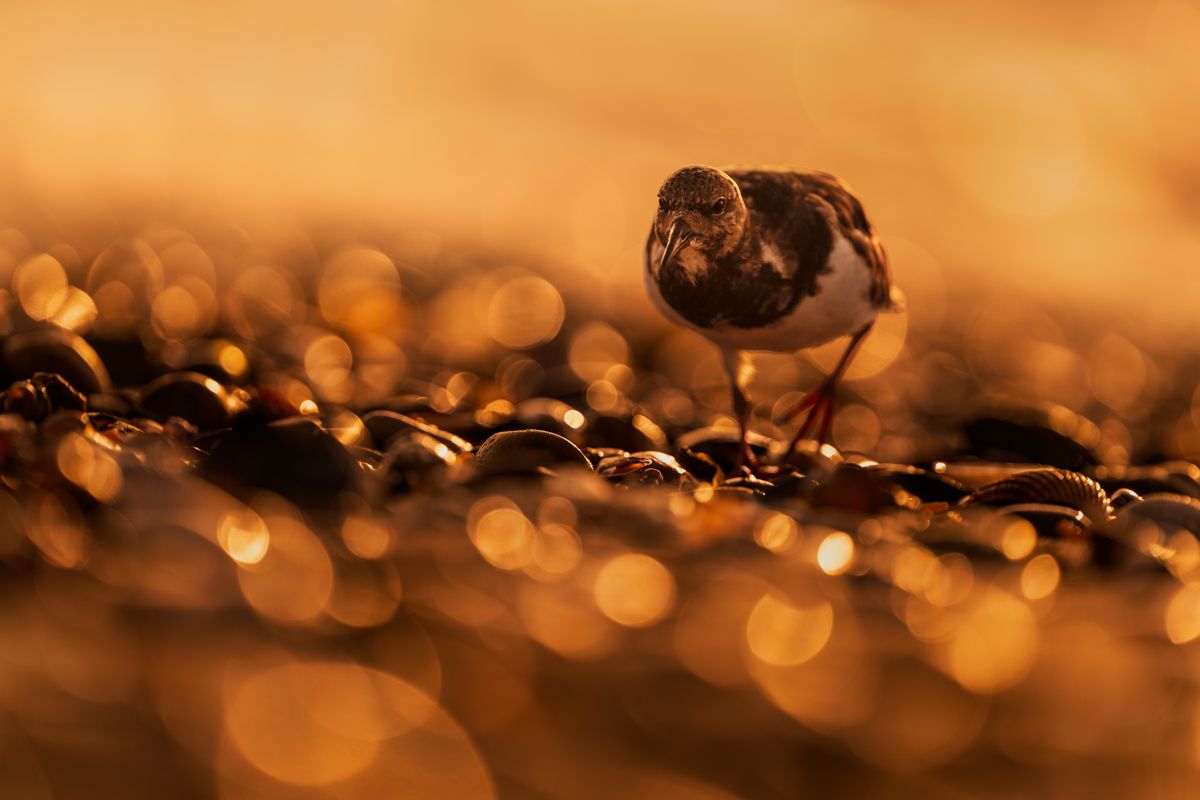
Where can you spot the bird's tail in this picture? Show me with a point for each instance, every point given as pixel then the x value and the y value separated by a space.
pixel 896 302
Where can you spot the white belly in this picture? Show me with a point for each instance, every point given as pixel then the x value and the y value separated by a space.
pixel 841 306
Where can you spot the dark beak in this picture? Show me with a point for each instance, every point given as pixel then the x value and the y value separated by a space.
pixel 677 239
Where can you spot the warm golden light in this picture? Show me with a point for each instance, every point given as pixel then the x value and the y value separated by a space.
pixel 365 536
pixel 776 532
pixel 284 268
pixel 360 289
pixel 1183 614
pixel 40 284
pixel 1039 577
pixel 635 590
pixel 993 645
pixel 1017 538
pixel 559 616
pixel 835 553
pixel 292 582
pixel 557 550
pixel 89 467
pixel 525 312
pixel 327 361
pixel 595 349
pixel 244 536
pixel 783 635
pixel 503 535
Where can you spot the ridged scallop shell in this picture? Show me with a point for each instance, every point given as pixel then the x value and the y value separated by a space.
pixel 1054 486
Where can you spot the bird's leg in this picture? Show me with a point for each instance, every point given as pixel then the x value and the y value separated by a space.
pixel 819 402
pixel 738 368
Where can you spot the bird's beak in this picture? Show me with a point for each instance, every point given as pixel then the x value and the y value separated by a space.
pixel 677 239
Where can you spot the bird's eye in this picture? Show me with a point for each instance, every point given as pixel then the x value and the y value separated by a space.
pixel 718 207
pixel 662 204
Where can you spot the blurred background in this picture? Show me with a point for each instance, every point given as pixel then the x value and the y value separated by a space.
pixel 249 232
pixel 1046 150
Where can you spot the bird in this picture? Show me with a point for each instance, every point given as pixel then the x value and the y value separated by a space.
pixel 774 260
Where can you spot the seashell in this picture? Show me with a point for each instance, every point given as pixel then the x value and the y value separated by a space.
pixel 620 465
pixel 197 398
pixel 720 445
pixel 974 474
pixel 219 359
pixel 1173 477
pixel 555 416
pixel 929 486
pixel 747 480
pixel 1170 512
pixel 43 394
pixel 1055 486
pixel 1052 520
pixel 637 432
pixel 416 462
pixel 597 454
pixel 1053 436
pixel 528 451
pixel 295 458
pixel 854 488
pixel 700 465
pixel 1123 497
pixel 59 351
pixel 384 426
pixel 648 477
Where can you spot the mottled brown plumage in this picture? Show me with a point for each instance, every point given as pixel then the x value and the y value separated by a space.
pixel 760 259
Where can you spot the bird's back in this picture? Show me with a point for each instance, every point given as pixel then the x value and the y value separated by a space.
pixel 801 214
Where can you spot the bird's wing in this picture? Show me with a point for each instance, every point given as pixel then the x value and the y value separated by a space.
pixel 853 224
pixel 792 201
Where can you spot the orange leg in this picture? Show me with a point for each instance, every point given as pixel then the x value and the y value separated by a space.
pixel 819 403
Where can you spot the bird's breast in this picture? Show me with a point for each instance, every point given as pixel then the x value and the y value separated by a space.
pixel 840 305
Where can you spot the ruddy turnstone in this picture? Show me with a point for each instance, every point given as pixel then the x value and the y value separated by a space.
pixel 776 260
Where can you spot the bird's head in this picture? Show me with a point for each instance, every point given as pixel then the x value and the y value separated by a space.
pixel 701 208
